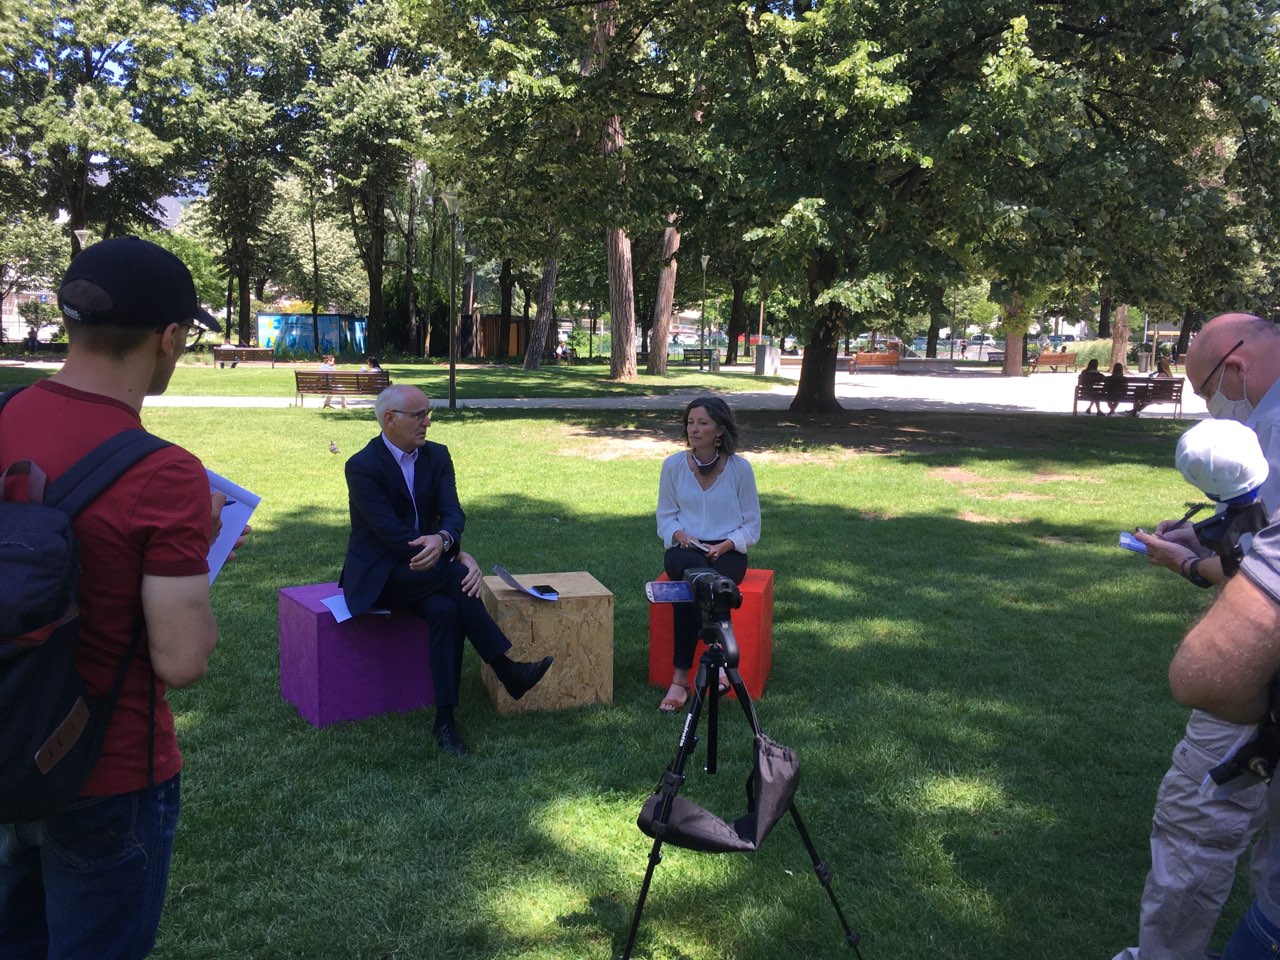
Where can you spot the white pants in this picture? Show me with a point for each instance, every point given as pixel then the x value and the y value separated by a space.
pixel 1195 843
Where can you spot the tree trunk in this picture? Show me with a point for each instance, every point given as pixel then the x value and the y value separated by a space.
pixel 506 284
pixel 666 294
pixel 737 318
pixel 816 392
pixel 315 269
pixel 226 325
pixel 1184 335
pixel 622 355
pixel 542 320
pixel 410 256
pixel 431 269
pixel 374 205
pixel 242 288
pixel 1104 313
pixel 1120 336
pixel 1015 337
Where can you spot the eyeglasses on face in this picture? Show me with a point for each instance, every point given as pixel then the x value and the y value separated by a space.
pixel 418 415
pixel 1216 366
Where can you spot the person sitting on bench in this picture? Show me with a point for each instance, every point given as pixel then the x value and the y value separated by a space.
pixel 403 551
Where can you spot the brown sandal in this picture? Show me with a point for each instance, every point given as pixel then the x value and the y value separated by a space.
pixel 669 703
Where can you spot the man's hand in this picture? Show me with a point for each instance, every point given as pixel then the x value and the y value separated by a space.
pixel 219 500
pixel 471 582
pixel 1166 550
pixel 215 526
pixel 431 546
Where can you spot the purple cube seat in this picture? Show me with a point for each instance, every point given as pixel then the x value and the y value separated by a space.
pixel 334 672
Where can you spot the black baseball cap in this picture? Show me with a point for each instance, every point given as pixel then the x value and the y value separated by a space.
pixel 131 282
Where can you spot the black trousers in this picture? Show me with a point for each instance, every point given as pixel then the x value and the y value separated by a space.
pixel 688 618
pixel 436 595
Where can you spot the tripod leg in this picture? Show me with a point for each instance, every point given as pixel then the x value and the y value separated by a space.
pixel 672 779
pixel 655 857
pixel 851 937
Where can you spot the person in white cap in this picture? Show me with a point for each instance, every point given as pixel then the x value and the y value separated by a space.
pixel 1234 364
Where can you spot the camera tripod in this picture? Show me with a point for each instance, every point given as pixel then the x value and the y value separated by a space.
pixel 718 837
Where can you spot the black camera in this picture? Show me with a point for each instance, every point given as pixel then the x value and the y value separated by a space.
pixel 1229 533
pixel 715 593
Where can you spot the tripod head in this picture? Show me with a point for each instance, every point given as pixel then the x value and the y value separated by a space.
pixel 716 596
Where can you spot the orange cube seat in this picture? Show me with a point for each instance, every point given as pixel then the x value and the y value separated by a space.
pixel 752 628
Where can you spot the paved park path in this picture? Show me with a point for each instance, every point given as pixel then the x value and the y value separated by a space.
pixel 970 391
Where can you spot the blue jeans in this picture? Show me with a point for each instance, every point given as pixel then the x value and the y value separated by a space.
pixel 89 882
pixel 1255 938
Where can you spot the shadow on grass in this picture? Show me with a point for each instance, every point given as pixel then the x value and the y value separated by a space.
pixel 979 707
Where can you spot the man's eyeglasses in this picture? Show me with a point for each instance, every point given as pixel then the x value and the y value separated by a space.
pixel 1239 344
pixel 418 415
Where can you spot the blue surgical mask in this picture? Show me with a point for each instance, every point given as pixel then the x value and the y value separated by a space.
pixel 1222 407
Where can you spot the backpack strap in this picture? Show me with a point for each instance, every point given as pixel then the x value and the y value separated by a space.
pixel 86 479
pixel 9 395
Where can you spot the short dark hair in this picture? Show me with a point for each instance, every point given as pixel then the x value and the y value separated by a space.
pixel 112 341
pixel 719 411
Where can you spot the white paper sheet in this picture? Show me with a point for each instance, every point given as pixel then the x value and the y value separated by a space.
pixel 235 515
pixel 337 605
pixel 511 581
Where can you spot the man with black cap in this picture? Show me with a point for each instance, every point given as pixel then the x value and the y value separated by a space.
pixel 90 881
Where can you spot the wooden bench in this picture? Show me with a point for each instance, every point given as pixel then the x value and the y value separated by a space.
pixel 234 355
pixel 1139 392
pixel 340 383
pixel 698 355
pixel 861 360
pixel 1053 361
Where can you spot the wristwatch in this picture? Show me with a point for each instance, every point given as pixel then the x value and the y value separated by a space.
pixel 447 537
pixel 1196 577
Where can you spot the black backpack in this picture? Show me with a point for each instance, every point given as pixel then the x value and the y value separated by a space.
pixel 51 730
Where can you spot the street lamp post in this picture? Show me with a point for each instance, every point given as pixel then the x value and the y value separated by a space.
pixel 702 320
pixel 591 309
pixel 450 199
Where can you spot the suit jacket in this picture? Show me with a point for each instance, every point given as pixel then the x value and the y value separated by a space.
pixel 382 515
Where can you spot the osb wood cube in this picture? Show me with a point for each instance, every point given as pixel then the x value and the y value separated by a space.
pixel 577 630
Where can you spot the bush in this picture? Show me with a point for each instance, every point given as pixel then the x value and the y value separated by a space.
pixel 1099 350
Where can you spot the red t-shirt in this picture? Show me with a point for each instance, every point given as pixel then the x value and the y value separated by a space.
pixel 154 520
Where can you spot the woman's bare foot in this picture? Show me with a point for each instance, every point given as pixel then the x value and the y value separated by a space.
pixel 677 696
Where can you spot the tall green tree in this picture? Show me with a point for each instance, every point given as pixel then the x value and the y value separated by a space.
pixel 253 71
pixel 95 92
pixel 368 105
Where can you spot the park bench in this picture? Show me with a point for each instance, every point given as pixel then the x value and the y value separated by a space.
pixel 234 355
pixel 1053 361
pixel 340 383
pixel 698 355
pixel 862 360
pixel 1138 392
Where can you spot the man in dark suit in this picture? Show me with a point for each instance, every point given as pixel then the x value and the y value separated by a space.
pixel 404 551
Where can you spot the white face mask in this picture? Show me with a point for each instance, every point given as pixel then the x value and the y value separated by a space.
pixel 1222 407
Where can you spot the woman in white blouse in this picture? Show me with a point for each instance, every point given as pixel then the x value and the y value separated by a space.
pixel 708 515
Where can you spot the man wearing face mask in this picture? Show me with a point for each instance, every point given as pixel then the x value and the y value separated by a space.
pixel 1234 365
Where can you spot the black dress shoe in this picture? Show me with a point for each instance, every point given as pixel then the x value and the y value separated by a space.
pixel 525 676
pixel 450 739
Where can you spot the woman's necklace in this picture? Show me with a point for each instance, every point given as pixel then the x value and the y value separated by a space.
pixel 705 468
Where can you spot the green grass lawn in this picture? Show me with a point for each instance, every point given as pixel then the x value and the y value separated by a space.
pixel 478 382
pixel 970 669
